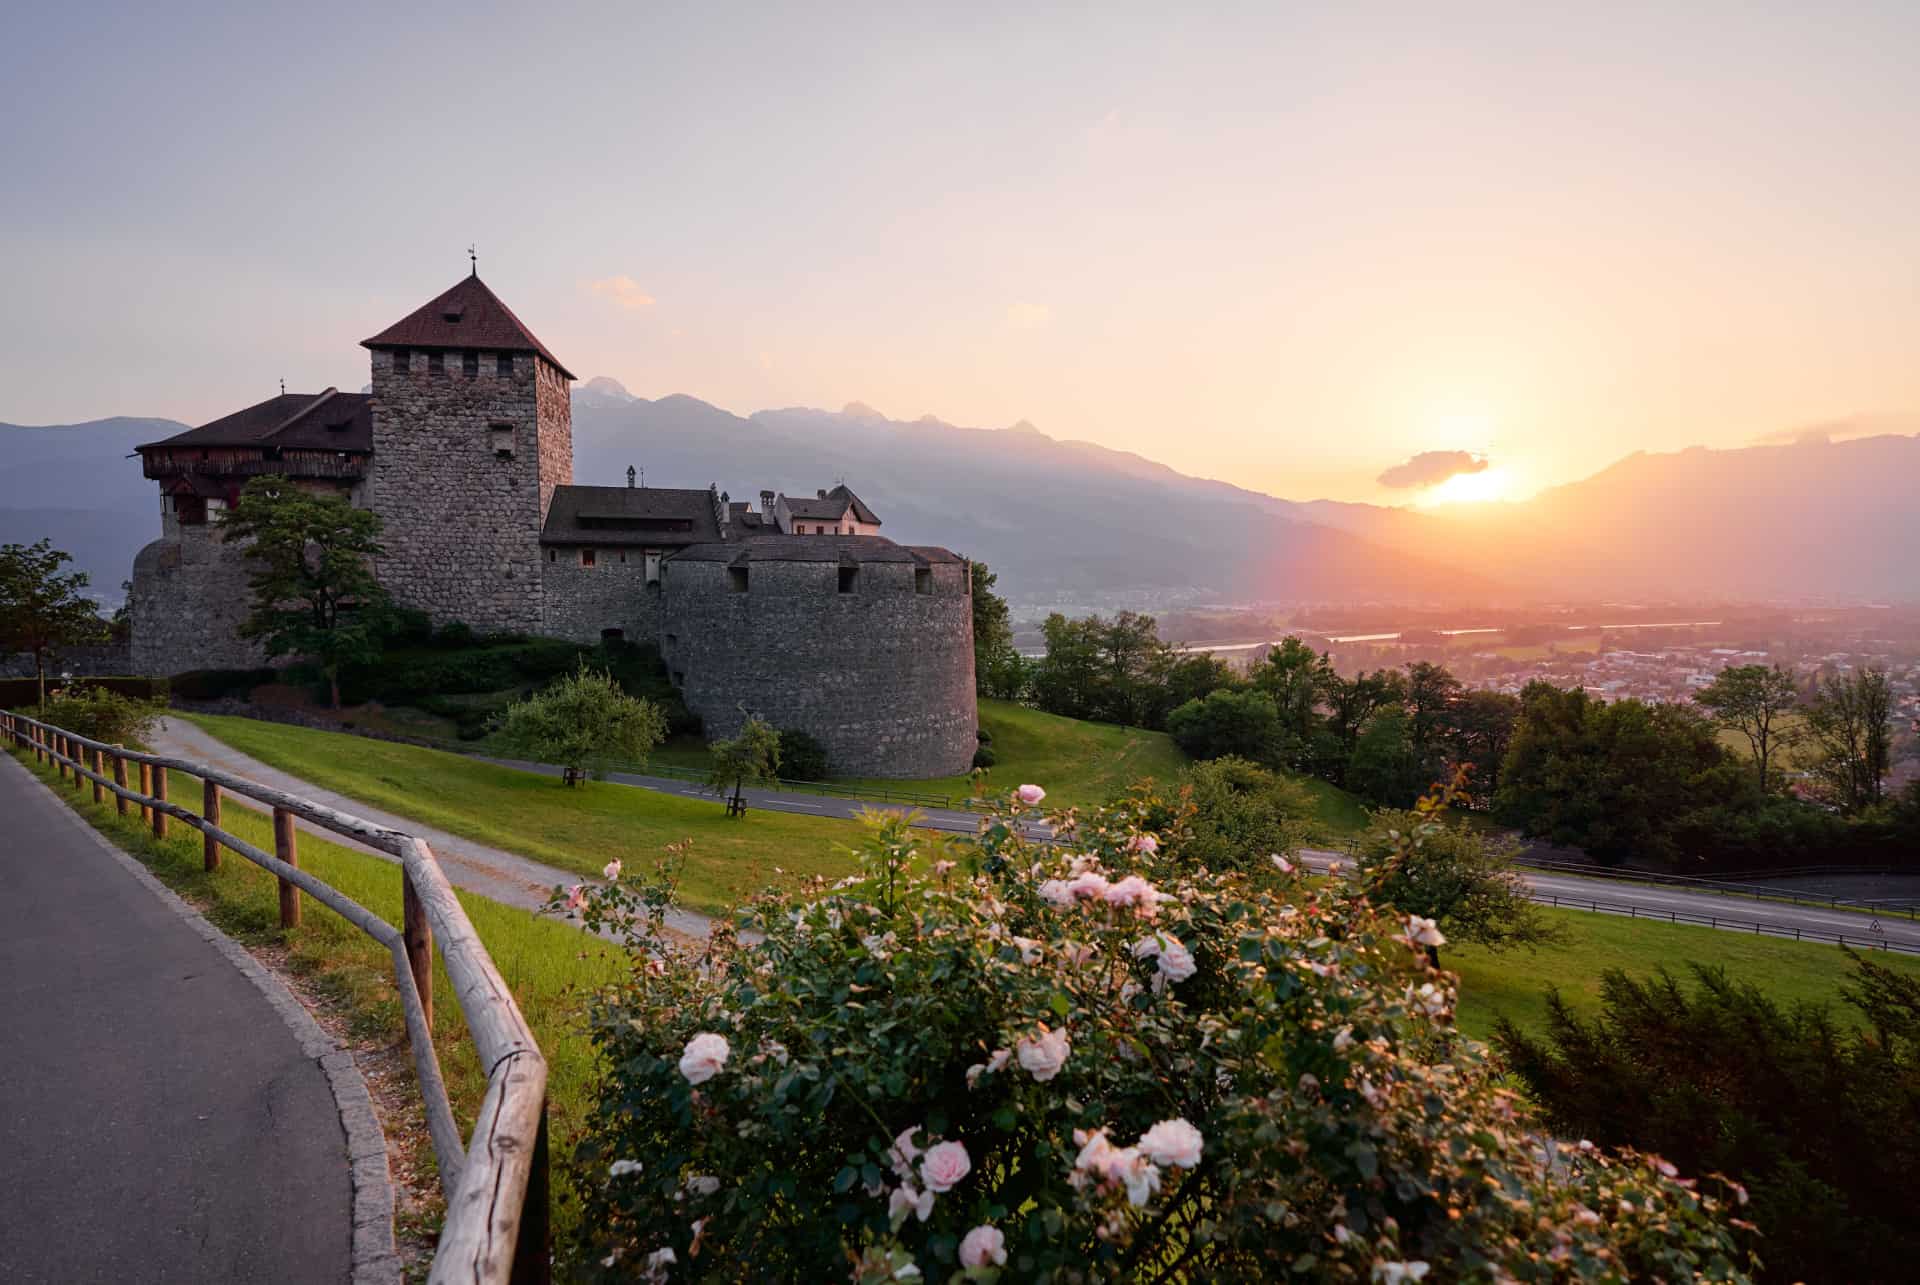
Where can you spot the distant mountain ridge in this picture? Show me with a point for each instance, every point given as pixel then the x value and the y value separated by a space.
pixel 1078 521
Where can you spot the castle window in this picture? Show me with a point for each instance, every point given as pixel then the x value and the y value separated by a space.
pixel 552 556
pixel 470 364
pixel 849 579
pixel 737 579
pixel 500 438
pixel 652 562
pixel 503 365
pixel 922 580
pixel 436 363
pixel 586 557
pixel 402 361
pixel 623 557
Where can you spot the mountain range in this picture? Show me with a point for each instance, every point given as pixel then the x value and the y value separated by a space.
pixel 1075 521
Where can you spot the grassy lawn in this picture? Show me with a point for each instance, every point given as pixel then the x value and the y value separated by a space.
pixel 537 817
pixel 1079 763
pixel 548 964
pixel 1514 983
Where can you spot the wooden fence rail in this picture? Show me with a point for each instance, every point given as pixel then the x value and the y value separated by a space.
pixel 496 1230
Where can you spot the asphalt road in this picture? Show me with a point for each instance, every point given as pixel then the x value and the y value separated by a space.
pixel 158 1121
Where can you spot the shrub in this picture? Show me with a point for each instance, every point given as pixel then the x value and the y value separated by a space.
pixel 1241 723
pixel 802 757
pixel 19 693
pixel 1241 814
pixel 1076 1062
pixel 1821 1119
pixel 101 715
pixel 984 756
pixel 585 723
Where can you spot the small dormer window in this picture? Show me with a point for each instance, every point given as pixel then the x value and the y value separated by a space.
pixel 503 365
pixel 451 312
pixel 436 363
pixel 922 580
pixel 849 579
pixel 500 438
pixel 402 361
pixel 586 557
pixel 470 364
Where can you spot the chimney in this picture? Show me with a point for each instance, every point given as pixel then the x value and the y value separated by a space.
pixel 820 494
pixel 766 511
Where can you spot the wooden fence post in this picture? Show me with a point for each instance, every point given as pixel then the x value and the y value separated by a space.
pixel 60 748
pixel 146 788
pixel 120 779
pixel 210 809
pixel 78 753
pixel 533 1251
pixel 99 769
pixel 160 796
pixel 287 849
pixel 419 937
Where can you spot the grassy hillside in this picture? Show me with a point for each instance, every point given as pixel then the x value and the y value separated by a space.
pixel 1514 984
pixel 535 816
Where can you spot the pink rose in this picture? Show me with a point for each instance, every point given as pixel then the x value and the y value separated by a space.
pixel 944 1165
pixel 905 1200
pixel 612 869
pixel 1132 891
pixel 1091 886
pixel 1143 843
pixel 983 1247
pixel 1176 961
pixel 705 1054
pixel 1055 892
pixel 1042 1055
pixel 905 1153
pixel 1172 1142
pixel 577 897
pixel 1030 794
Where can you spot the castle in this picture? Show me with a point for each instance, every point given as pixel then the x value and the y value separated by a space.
pixel 799 611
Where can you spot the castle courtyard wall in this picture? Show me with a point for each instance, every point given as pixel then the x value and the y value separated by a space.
pixel 582 603
pixel 188 600
pixel 882 677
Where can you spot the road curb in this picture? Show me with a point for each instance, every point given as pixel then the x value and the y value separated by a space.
pixel 376 1259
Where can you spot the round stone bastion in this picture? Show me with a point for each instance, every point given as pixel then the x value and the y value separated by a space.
pixel 864 644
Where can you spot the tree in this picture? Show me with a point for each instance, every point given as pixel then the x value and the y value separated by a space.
pixel 585 723
pixel 998 670
pixel 1109 670
pixel 1849 722
pixel 802 756
pixel 1227 722
pixel 1296 678
pixel 1352 703
pixel 1480 729
pixel 752 755
pixel 314 591
pixel 1066 680
pixel 41 607
pixel 1242 815
pixel 1432 693
pixel 1451 875
pixel 1753 700
pixel 1194 677
pixel 1819 1117
pixel 1385 768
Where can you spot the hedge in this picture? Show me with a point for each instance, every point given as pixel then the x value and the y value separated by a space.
pixel 18 693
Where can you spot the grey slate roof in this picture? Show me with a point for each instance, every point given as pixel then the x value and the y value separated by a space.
pixel 840 550
pixel 831 506
pixel 629 515
pixel 327 421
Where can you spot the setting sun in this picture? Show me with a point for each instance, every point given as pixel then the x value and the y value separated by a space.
pixel 1469 488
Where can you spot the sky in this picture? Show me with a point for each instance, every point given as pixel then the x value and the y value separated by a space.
pixel 1292 247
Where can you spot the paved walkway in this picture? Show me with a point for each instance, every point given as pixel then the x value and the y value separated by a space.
pixel 158 1119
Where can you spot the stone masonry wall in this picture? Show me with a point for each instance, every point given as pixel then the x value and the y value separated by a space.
pixel 582 602
pixel 882 677
pixel 189 597
pixel 462 524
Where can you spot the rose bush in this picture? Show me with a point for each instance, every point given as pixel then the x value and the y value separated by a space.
pixel 1001 1070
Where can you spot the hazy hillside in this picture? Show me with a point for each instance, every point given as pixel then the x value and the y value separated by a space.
pixel 1051 516
pixel 1054 517
pixel 73 484
pixel 1815 519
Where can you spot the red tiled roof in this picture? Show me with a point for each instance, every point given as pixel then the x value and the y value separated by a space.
pixel 467 316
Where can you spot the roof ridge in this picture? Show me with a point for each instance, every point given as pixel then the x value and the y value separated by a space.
pixel 330 392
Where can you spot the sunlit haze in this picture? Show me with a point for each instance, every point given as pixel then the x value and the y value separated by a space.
pixel 1290 247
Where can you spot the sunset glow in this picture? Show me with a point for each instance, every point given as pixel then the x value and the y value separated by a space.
pixel 1469 488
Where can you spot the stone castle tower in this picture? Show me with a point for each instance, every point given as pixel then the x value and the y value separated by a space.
pixel 472 431
pixel 803 613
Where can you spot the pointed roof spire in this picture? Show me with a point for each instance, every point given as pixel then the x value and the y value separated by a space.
pixel 467 316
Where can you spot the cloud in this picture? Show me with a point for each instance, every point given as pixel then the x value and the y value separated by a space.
pixel 1430 468
pixel 1026 316
pixel 624 291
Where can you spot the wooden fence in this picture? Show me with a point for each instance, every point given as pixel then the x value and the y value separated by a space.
pixel 496 1229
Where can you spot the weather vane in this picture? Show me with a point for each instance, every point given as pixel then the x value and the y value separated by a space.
pixel 473 259
pixel 629 477
pixel 283 386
